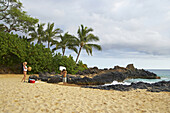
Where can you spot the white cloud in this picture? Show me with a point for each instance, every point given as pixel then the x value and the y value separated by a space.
pixel 126 26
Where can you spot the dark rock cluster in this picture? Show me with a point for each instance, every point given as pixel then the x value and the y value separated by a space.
pixel 111 76
pixel 44 76
pixel 93 70
pixel 155 87
pixel 129 72
pixel 55 79
pixel 100 77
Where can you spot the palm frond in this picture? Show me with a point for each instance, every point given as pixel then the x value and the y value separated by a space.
pixel 31 29
pixel 89 30
pixel 95 46
pixel 51 34
pixel 88 49
pixel 37 33
pixel 91 38
pixel 54 42
pixel 73 48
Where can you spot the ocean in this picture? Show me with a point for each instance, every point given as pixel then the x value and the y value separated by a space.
pixel 163 73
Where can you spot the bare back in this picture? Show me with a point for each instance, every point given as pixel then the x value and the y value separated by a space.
pixel 64 73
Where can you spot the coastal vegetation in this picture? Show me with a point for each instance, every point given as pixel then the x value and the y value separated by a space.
pixel 22 38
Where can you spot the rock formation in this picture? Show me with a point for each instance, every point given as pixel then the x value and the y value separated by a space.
pixel 156 87
pixel 101 77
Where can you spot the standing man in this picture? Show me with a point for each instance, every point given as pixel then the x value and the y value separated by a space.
pixel 64 73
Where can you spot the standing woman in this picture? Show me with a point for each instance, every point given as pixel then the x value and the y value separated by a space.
pixel 24 71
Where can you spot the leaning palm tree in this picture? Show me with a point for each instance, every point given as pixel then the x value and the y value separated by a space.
pixel 37 34
pixel 66 41
pixel 84 37
pixel 50 33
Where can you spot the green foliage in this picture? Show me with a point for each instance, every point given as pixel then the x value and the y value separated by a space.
pixel 37 33
pixel 50 33
pixel 66 41
pixel 67 62
pixel 14 51
pixel 14 19
pixel 39 58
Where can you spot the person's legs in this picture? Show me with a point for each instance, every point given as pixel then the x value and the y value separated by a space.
pixel 24 76
pixel 64 80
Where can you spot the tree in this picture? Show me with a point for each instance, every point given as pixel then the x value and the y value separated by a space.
pixel 4 5
pixel 66 41
pixel 84 37
pixel 50 33
pixel 37 33
pixel 12 49
pixel 12 17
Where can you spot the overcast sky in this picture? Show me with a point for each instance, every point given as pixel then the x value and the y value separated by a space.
pixel 130 31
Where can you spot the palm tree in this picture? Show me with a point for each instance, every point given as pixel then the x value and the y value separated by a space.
pixel 50 33
pixel 84 37
pixel 37 33
pixel 66 41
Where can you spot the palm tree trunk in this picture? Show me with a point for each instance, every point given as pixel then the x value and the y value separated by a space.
pixel 78 54
pixel 48 44
pixel 63 50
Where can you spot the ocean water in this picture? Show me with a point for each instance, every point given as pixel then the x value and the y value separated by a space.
pixel 163 73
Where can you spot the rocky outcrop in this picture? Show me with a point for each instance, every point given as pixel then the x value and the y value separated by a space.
pixel 116 74
pixel 130 67
pixel 156 87
pixel 101 77
pixel 109 77
pixel 93 70
pixel 44 76
pixel 55 79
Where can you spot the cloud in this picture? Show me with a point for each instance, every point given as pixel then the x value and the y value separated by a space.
pixel 126 28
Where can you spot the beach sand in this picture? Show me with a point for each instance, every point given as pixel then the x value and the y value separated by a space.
pixel 17 97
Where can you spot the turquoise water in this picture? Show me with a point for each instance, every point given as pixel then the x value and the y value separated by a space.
pixel 163 73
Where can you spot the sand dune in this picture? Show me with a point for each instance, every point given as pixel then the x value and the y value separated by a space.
pixel 17 97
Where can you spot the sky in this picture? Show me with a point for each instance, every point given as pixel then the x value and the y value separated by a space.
pixel 130 31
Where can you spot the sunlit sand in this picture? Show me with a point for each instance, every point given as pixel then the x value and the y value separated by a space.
pixel 17 97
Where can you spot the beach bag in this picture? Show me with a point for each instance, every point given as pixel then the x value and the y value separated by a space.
pixel 31 81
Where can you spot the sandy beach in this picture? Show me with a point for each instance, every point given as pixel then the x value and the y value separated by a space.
pixel 18 97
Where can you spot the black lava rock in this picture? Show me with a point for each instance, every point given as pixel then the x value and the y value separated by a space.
pixel 155 87
pixel 55 79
